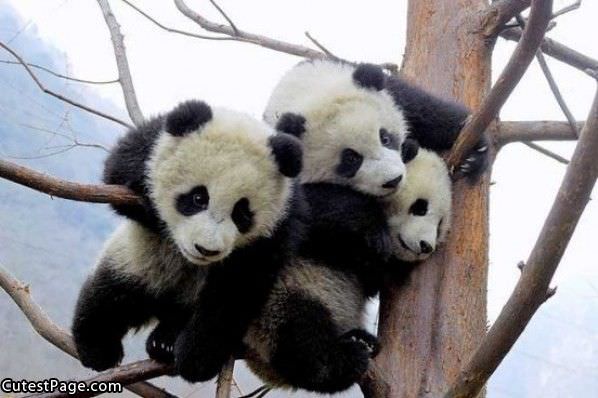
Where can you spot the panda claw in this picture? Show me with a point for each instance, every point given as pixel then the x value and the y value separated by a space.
pixel 470 159
pixel 483 148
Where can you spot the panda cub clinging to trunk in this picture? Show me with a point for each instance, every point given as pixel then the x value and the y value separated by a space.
pixel 219 213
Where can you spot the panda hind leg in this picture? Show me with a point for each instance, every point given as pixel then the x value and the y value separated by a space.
pixel 309 352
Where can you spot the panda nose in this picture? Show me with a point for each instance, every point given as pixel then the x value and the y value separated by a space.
pixel 425 247
pixel 393 183
pixel 206 252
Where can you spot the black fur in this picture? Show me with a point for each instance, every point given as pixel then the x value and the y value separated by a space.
pixel 350 162
pixel 234 293
pixel 288 153
pixel 242 215
pixel 435 122
pixel 311 355
pixel 109 305
pixel 369 76
pixel 187 117
pixel 409 150
pixel 291 123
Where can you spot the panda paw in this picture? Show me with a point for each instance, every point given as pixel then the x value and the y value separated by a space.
pixel 379 242
pixel 197 364
pixel 160 344
pixel 476 161
pixel 100 356
pixel 364 338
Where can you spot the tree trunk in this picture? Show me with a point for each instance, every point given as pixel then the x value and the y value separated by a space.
pixel 431 326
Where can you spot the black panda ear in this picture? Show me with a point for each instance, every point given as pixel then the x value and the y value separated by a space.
pixel 369 76
pixel 288 153
pixel 291 123
pixel 409 149
pixel 188 116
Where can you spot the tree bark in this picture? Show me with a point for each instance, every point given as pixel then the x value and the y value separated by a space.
pixel 430 326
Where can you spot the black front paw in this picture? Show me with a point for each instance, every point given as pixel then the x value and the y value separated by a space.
pixel 100 356
pixel 379 242
pixel 476 161
pixel 160 344
pixel 364 338
pixel 196 364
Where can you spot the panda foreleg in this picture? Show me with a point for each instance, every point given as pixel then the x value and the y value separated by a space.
pixel 160 342
pixel 310 354
pixel 108 306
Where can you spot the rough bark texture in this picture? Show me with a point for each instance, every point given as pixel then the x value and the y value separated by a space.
pixel 433 324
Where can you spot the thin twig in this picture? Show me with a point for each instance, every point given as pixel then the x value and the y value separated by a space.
pixel 546 152
pixel 50 331
pixel 545 130
pixel 122 64
pixel 499 13
pixel 225 379
pixel 173 30
pixel 230 21
pixel 73 79
pixel 532 288
pixel 552 83
pixel 557 51
pixel 567 9
pixel 540 13
pixel 60 96
pixel 115 194
pixel 320 46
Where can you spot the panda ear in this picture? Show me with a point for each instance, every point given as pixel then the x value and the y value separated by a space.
pixel 288 153
pixel 187 117
pixel 369 76
pixel 291 123
pixel 409 150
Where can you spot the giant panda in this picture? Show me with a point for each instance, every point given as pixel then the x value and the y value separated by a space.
pixel 219 214
pixel 311 333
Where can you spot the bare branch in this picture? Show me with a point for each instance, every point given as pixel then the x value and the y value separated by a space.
pixel 320 46
pixel 60 96
pixel 547 130
pixel 565 10
pixel 225 379
pixel 173 30
pixel 373 383
pixel 522 56
pixel 557 51
pixel 45 327
pixel 500 12
pixel 531 290
pixel 124 74
pixel 73 79
pixel 115 194
pixel 230 21
pixel 546 152
pixel 263 41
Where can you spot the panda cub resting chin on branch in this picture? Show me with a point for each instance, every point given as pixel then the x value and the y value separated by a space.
pixel 220 213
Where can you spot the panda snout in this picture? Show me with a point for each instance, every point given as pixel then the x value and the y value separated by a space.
pixel 425 247
pixel 392 184
pixel 205 252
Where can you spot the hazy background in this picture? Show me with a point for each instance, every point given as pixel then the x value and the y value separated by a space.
pixel 52 244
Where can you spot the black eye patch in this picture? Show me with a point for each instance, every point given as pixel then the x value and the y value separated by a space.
pixel 193 202
pixel 419 207
pixel 388 140
pixel 242 215
pixel 350 162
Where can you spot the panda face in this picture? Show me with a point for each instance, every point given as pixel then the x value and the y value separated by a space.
pixel 350 126
pixel 218 188
pixel 419 213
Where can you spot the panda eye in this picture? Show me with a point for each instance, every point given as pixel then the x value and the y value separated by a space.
pixel 388 140
pixel 419 207
pixel 242 215
pixel 193 202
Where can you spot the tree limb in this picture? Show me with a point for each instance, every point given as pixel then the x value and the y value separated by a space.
pixel 115 194
pixel 225 379
pixel 546 130
pixel 60 96
pixel 500 12
pixel 533 285
pixel 546 152
pixel 540 13
pixel 50 71
pixel 557 51
pixel 122 64
pixel 128 374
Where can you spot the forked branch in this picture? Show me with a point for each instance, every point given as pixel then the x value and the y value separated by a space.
pixel 534 283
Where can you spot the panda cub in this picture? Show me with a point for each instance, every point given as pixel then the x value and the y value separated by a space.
pixel 219 213
pixel 311 333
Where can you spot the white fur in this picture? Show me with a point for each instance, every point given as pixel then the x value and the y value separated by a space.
pixel 231 157
pixel 427 178
pixel 340 115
